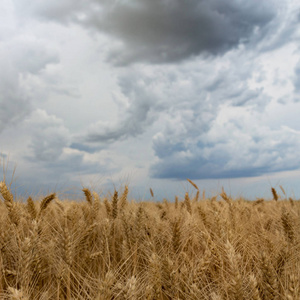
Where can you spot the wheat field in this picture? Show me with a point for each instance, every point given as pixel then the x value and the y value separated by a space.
pixel 114 248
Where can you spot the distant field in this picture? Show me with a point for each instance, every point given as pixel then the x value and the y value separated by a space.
pixel 116 248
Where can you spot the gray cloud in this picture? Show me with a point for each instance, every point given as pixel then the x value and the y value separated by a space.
pixel 193 91
pixel 134 122
pixel 65 10
pixel 74 163
pixel 280 31
pixel 230 149
pixel 48 136
pixel 162 31
pixel 19 59
pixel 14 104
pixel 218 44
pixel 297 78
pixel 45 161
pixel 84 147
pixel 62 174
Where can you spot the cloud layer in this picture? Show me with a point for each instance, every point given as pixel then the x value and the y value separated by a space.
pixel 22 56
pixel 18 60
pixel 163 31
pixel 176 89
pixel 234 146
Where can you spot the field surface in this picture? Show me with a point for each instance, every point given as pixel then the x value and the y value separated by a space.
pixel 116 248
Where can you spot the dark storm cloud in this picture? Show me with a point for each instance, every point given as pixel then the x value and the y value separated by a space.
pixel 162 31
pixel 167 31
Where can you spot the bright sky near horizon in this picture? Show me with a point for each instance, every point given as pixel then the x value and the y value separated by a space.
pixel 150 92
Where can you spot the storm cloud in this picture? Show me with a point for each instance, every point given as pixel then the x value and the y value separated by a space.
pixel 165 88
pixel 164 31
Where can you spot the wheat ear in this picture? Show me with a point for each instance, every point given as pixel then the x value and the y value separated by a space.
pixel 123 200
pixel 193 184
pixel 8 197
pixel 225 197
pixel 31 208
pixel 88 196
pixel 187 202
pixel 107 207
pixel 287 224
pixel 151 192
pixel 115 205
pixel 45 202
pixel 235 290
pixel 275 195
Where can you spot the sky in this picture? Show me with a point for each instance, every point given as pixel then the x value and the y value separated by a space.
pixel 103 93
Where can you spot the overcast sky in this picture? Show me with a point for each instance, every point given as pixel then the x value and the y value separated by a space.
pixel 101 93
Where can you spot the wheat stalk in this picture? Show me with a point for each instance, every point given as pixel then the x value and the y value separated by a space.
pixel 151 192
pixel 225 197
pixel 196 198
pixel 187 202
pixel 115 205
pixel 275 195
pixel 176 202
pixel 123 200
pixel 193 184
pixel 107 207
pixel 282 189
pixel 176 236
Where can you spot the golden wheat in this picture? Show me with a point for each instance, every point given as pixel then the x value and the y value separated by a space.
pixel 109 248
